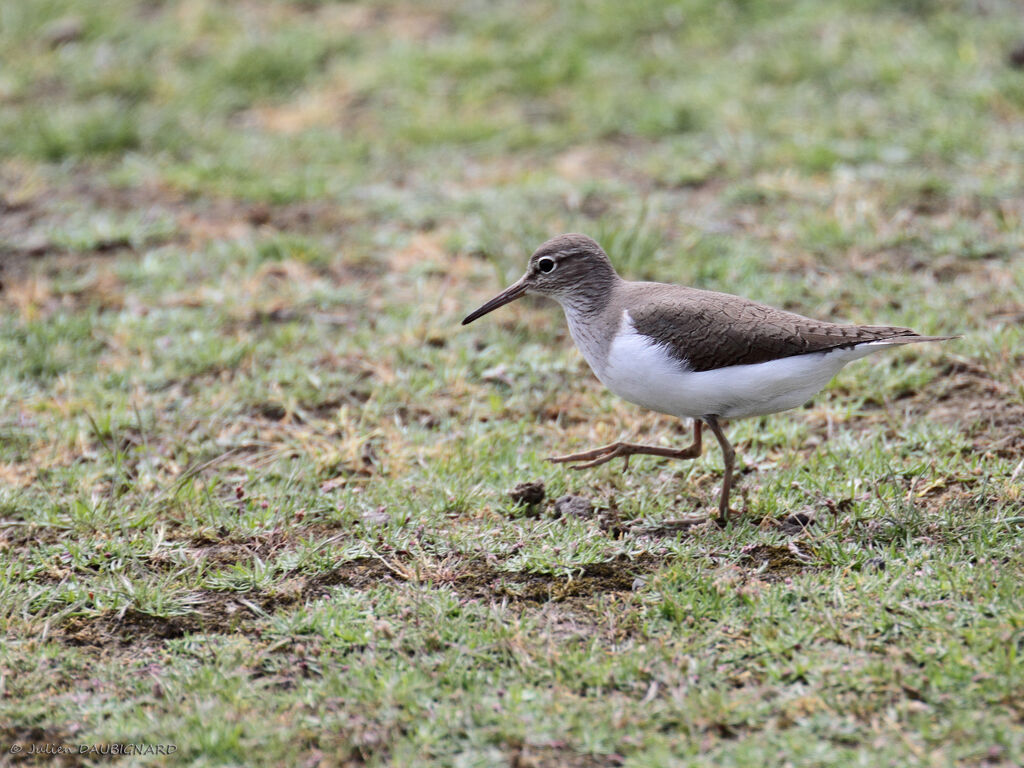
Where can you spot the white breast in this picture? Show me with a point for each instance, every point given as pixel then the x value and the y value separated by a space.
pixel 641 371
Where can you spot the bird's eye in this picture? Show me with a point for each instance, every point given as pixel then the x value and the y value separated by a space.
pixel 546 265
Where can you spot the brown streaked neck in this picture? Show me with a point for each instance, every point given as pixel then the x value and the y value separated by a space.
pixel 593 310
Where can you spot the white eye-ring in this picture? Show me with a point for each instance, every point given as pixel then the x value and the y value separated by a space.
pixel 546 265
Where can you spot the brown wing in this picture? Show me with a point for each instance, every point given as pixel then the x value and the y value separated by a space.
pixel 714 330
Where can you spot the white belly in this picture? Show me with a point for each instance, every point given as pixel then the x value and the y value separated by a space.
pixel 642 372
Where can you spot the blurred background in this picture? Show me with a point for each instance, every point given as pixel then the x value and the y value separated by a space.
pixel 349 126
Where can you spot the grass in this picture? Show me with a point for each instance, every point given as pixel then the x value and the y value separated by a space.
pixel 254 476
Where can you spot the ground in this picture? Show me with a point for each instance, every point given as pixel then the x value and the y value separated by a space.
pixel 256 480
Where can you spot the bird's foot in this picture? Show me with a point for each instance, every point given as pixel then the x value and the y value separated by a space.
pixel 597 456
pixel 614 450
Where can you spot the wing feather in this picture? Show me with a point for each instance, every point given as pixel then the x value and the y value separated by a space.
pixel 709 330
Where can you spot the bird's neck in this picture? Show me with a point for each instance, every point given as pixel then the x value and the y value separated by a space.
pixel 594 317
pixel 590 299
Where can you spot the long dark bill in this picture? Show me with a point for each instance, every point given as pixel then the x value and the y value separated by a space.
pixel 507 296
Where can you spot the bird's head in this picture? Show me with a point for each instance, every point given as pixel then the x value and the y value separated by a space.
pixel 572 269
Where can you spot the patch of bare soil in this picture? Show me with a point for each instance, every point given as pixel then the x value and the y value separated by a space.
pixel 967 396
pixel 610 618
pixel 136 632
pixel 324 409
pixel 223 215
pixel 773 564
pixel 221 613
pixel 475 580
pixel 215 612
pixel 17 535
pixel 30 209
pixel 214 548
pixel 362 573
pixel 593 579
pixel 558 755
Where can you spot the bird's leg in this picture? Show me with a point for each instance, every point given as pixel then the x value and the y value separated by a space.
pixel 729 455
pixel 608 452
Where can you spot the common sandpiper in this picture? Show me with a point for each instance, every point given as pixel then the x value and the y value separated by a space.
pixel 688 352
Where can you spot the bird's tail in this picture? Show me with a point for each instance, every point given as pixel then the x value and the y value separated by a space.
pixel 914 339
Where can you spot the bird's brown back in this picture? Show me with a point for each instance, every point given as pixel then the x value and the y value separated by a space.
pixel 710 330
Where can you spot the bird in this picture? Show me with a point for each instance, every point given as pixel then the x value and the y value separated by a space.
pixel 688 352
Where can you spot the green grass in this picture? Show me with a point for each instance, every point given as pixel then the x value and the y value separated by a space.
pixel 254 475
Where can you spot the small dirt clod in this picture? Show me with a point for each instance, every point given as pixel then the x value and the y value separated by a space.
pixel 798 522
pixel 1015 58
pixel 528 493
pixel 573 506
